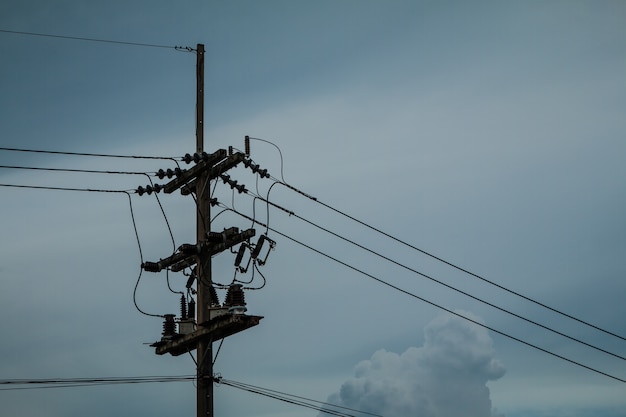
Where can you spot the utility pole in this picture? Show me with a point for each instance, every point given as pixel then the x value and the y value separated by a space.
pixel 213 321
pixel 203 270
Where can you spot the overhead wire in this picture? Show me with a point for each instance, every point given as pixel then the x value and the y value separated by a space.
pixel 82 38
pixel 545 327
pixel 320 406
pixel 40 187
pixel 26 384
pixel 433 279
pixel 395 287
pixel 92 171
pixel 82 171
pixel 432 256
pixel 103 155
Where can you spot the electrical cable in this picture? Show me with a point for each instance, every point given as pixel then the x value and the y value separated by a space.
pixel 432 256
pixel 38 187
pixel 80 38
pixel 448 263
pixel 84 154
pixel 288 398
pixel 83 171
pixel 24 384
pixel 279 153
pixel 383 282
pixel 132 215
pixel 291 213
pixel 242 384
pixel 397 263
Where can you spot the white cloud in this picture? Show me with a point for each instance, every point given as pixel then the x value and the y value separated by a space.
pixel 446 377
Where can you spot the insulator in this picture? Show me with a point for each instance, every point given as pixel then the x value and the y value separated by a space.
pixel 230 151
pixel 188 249
pixel 191 309
pixel 247 162
pixel 257 248
pixel 225 178
pixel 187 158
pixel 149 189
pixel 205 156
pixel 240 253
pixel 241 188
pixel 183 308
pixel 235 296
pixel 177 171
pixel 158 188
pixel 190 280
pixel 161 174
pixel 214 202
pixel 169 326
pixel 215 237
pixel 214 300
pixel 196 157
pixel 246 142
pixel 263 173
pixel 140 191
pixel 151 266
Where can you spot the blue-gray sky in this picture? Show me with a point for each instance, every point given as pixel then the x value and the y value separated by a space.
pixel 491 134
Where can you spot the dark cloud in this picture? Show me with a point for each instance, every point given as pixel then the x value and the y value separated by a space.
pixel 446 377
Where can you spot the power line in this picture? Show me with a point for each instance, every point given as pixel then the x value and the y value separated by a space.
pixel 554 310
pixel 91 190
pixel 84 154
pixel 291 213
pixel 24 384
pixel 397 263
pixel 324 407
pixel 381 281
pixel 82 171
pixel 81 38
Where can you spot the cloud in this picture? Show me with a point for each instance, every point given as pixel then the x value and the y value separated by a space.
pixel 446 377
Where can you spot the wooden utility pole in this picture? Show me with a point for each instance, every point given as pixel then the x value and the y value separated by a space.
pixel 214 321
pixel 205 346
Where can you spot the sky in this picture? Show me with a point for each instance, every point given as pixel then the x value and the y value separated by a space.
pixel 489 134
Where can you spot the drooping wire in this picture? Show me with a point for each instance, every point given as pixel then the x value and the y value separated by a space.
pixel 256 268
pixel 279 153
pixel 392 286
pixel 132 215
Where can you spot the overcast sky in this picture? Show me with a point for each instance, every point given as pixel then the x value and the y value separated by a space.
pixel 490 134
